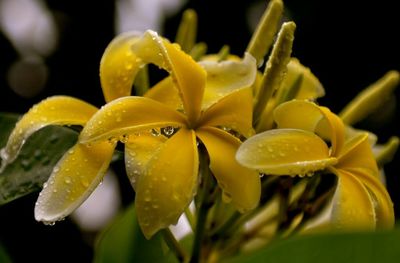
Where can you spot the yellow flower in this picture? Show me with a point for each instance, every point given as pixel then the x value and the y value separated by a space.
pixel 161 142
pixel 206 101
pixel 298 147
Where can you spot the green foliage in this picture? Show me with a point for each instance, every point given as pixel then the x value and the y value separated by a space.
pixel 383 247
pixel 124 242
pixel 36 160
pixel 3 256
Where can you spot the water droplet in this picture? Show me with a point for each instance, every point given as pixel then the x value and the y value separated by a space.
pixel 155 132
pixel 71 151
pixel 67 180
pixel 124 138
pixel 270 149
pixel 147 199
pixel 155 206
pixel 168 131
pixel 44 185
pixel 226 197
pixel 128 66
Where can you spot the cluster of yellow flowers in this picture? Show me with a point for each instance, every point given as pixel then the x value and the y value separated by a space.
pixel 214 115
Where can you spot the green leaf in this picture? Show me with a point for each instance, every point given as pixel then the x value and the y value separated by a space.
pixel 36 160
pixel 4 258
pixel 124 242
pixel 383 247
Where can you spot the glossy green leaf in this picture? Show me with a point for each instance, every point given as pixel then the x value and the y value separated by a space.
pixel 35 161
pixel 124 242
pixel 371 247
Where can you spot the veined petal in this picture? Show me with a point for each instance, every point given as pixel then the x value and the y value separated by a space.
pixel 310 87
pixel 226 77
pixel 233 111
pixel 353 207
pixel 168 184
pixel 305 115
pixel 166 93
pixel 119 66
pixel 57 110
pixel 382 203
pixel 357 154
pixel 73 179
pixel 128 115
pixel 239 184
pixel 188 76
pixel 138 152
pixel 285 152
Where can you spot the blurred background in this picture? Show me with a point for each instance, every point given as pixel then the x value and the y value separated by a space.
pixel 54 47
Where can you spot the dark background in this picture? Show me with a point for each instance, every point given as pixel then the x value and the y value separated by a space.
pixel 348 46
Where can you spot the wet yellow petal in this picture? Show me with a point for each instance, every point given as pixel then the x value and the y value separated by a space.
pixel 119 66
pixel 188 76
pixel 166 93
pixel 353 207
pixel 305 115
pixel 382 203
pixel 168 184
pixel 310 87
pixel 239 184
pixel 226 77
pixel 138 152
pixel 58 110
pixel 357 154
pixel 73 179
pixel 233 111
pixel 285 152
pixel 128 115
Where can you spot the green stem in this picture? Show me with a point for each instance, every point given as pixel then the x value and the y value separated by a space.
pixel 174 245
pixel 204 203
pixel 190 218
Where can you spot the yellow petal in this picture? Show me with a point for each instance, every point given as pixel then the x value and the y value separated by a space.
pixel 357 154
pixel 168 184
pixel 119 66
pixel 383 205
pixel 226 77
pixel 310 87
pixel 353 207
pixel 73 179
pixel 233 111
pixel 239 184
pixel 166 93
pixel 188 76
pixel 58 110
pixel 128 115
pixel 138 152
pixel 285 152
pixel 305 115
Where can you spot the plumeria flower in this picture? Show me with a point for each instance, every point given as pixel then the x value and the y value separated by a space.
pixel 206 102
pixel 162 131
pixel 299 147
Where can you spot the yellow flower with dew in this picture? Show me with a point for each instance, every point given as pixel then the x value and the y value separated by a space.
pixel 206 101
pixel 164 169
pixel 298 147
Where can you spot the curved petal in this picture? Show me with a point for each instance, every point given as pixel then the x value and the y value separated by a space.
pixel 226 77
pixel 128 115
pixel 188 76
pixel 73 179
pixel 383 205
pixel 239 184
pixel 166 93
pixel 353 207
pixel 305 115
pixel 168 184
pixel 138 152
pixel 310 87
pixel 58 110
pixel 285 152
pixel 233 111
pixel 357 154
pixel 119 66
